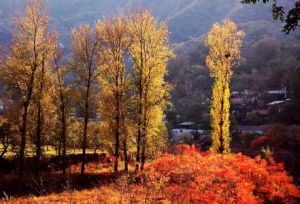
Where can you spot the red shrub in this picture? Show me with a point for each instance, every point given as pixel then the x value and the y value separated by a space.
pixel 215 178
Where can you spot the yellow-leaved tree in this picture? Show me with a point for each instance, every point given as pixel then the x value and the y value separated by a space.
pixel 150 53
pixel 61 99
pixel 224 43
pixel 85 47
pixel 25 62
pixel 114 81
pixel 45 114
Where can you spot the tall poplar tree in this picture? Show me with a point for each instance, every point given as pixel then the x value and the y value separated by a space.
pixel 224 43
pixel 150 54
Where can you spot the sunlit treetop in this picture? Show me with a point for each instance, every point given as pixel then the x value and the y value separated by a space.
pixel 224 43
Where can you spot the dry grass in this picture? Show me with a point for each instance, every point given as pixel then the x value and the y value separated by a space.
pixel 101 195
pixel 118 192
pixel 100 184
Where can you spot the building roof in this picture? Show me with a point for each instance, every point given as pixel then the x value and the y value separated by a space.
pixel 278 91
pixel 277 102
pixel 187 123
pixel 243 93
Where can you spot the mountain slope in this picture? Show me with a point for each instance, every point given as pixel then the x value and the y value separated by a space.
pixel 187 18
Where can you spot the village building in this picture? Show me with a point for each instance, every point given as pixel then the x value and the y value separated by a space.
pixel 251 108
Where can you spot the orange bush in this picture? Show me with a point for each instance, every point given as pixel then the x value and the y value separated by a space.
pixel 215 178
pixel 189 176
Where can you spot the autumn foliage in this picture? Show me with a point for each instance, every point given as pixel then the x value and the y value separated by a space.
pixel 224 43
pixel 215 178
pixel 185 175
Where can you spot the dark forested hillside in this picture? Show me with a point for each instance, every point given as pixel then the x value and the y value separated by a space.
pixel 265 47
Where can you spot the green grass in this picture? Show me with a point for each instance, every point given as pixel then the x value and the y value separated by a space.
pixel 10 153
pixel 47 151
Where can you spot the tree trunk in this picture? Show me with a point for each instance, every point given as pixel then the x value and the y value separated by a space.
pixel 39 122
pixel 143 156
pixel 5 147
pixel 221 149
pixel 63 134
pixel 85 127
pixel 124 132
pixel 139 135
pixel 125 144
pixel 38 141
pixel 222 120
pixel 144 135
pixel 117 127
pixel 117 145
pixel 64 128
pixel 95 149
pixel 59 146
pixel 125 153
pixel 123 113
pixel 23 139
pixel 23 129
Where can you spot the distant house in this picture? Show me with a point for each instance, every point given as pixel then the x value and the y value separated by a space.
pixel 259 130
pixel 279 102
pixel 283 92
pixel 277 96
pixel 278 99
pixel 184 129
pixel 261 104
pixel 243 98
